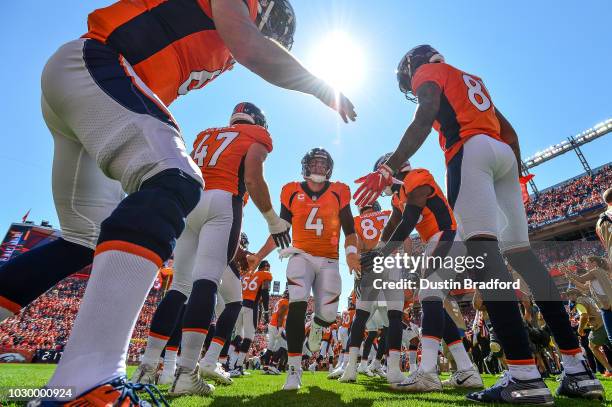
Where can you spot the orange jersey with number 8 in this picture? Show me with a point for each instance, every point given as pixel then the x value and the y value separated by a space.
pixel 466 108
pixel 252 282
pixel 172 45
pixel 315 218
pixel 220 153
pixel 369 227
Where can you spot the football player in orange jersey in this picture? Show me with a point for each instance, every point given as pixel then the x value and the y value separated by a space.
pixel 275 338
pixel 419 203
pixel 231 162
pixel 255 290
pixel 104 99
pixel 483 160
pixel 317 209
pixel 343 336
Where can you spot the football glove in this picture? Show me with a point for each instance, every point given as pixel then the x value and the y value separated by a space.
pixel 372 185
pixel 279 229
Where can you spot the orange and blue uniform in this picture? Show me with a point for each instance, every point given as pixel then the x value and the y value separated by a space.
pixel 369 227
pixel 172 45
pixel 220 154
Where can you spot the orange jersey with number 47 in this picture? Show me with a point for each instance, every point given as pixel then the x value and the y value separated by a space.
pixel 369 227
pixel 220 153
pixel 252 282
pixel 315 217
pixel 466 108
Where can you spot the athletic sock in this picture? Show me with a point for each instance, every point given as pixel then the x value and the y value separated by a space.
pixel 524 371
pixel 429 354
pixel 155 346
pixel 572 364
pixel 393 361
pixel 412 358
pixel 170 359
pixel 295 361
pixel 98 344
pixel 191 347
pixel 213 352
pixel 240 361
pixel 460 355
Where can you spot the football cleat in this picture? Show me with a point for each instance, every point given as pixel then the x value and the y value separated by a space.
pixel 314 337
pixel 467 379
pixel 144 374
pixel 363 369
pixel 515 391
pixel 395 376
pixel 584 385
pixel 312 367
pixel 419 382
pixel 215 372
pixel 118 392
pixel 336 373
pixel 294 379
pixel 166 377
pixel 377 369
pixel 349 375
pixel 271 370
pixel 189 382
pixel 237 372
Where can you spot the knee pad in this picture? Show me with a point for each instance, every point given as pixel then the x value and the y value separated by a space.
pixel 154 216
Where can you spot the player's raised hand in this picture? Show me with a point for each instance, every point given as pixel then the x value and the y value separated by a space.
pixel 372 185
pixel 337 101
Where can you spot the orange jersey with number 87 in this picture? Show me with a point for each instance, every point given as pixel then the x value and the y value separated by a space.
pixel 369 227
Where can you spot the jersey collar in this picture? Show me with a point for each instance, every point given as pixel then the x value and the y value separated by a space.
pixel 314 195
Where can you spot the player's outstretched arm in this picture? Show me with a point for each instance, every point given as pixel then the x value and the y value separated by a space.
pixel 258 190
pixel 269 60
pixel 375 182
pixel 266 249
pixel 429 104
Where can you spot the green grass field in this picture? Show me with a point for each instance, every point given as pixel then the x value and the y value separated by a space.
pixel 263 390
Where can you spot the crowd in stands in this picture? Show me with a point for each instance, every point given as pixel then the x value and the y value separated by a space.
pixel 569 198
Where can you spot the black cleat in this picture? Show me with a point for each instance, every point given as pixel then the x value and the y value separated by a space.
pixel 584 385
pixel 515 391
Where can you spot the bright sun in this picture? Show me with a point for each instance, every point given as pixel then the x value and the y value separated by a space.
pixel 338 60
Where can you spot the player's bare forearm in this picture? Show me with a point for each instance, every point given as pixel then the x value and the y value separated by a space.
pixel 254 179
pixel 415 135
pixel 351 240
pixel 266 249
pixel 259 54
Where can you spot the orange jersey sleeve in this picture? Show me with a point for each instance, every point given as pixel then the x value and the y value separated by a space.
pixel 437 214
pixel 173 46
pixel 466 108
pixel 315 218
pixel 220 153
pixel 369 227
pixel 251 284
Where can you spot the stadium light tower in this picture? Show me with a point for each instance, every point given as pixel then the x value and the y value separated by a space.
pixel 572 143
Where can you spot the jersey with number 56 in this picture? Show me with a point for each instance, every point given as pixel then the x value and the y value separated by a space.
pixel 466 108
pixel 316 216
pixel 252 282
pixel 220 153
pixel 369 227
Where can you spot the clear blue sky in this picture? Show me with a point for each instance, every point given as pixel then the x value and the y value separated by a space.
pixel 546 64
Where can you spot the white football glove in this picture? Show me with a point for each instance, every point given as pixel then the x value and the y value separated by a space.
pixel 279 229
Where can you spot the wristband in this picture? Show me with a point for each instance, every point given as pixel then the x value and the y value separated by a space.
pixel 350 249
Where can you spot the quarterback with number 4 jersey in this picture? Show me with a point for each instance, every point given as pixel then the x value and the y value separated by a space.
pixel 317 209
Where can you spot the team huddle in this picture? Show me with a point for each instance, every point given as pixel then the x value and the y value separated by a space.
pixel 129 196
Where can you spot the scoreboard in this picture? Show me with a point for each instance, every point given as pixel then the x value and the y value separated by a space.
pixel 22 237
